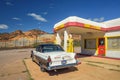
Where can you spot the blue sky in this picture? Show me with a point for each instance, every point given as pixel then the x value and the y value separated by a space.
pixel 43 14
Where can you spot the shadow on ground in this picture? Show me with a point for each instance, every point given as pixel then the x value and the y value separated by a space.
pixel 83 55
pixel 62 71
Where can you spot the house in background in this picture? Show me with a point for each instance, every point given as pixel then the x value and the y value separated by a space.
pixel 102 39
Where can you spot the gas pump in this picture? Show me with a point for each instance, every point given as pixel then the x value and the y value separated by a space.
pixel 101 46
pixel 70 44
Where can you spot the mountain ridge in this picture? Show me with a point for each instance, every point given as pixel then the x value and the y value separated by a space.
pixel 19 33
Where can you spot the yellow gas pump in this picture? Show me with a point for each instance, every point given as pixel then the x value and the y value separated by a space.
pixel 70 44
pixel 55 41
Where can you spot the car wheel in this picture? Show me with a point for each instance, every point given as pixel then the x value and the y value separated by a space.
pixel 42 68
pixel 33 58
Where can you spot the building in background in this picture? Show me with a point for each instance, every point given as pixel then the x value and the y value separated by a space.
pixel 101 39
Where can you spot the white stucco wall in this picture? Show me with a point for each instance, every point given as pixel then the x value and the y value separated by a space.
pixel 113 53
pixel 113 33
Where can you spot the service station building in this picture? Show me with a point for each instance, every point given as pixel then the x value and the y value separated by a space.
pixel 100 39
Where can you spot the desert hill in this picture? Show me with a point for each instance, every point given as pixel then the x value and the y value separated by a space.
pixel 31 34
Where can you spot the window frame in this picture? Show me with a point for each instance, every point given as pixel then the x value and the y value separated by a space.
pixel 108 43
pixel 90 39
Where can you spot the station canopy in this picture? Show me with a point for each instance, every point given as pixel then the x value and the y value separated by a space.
pixel 77 25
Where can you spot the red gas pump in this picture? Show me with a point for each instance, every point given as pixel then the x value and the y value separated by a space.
pixel 101 46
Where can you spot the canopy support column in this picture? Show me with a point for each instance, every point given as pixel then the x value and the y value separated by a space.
pixel 65 40
pixel 58 39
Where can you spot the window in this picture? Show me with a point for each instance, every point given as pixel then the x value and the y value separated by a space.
pixel 39 49
pixel 51 48
pixel 101 41
pixel 114 43
pixel 90 43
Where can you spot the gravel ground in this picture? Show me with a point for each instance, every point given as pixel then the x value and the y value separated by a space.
pixel 84 71
pixel 12 66
pixel 92 68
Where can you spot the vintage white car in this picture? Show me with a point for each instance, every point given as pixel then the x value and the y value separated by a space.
pixel 52 57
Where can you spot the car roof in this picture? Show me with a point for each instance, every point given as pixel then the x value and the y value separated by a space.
pixel 47 44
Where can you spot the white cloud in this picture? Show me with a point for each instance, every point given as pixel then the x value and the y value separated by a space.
pixel 3 26
pixel 37 17
pixel 96 19
pixel 9 3
pixel 101 19
pixel 90 19
pixel 20 24
pixel 45 13
pixel 15 18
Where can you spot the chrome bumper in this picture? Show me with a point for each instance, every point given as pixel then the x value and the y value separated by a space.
pixel 62 66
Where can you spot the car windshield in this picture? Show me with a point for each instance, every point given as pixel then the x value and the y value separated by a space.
pixel 51 48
